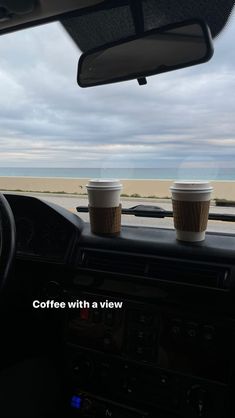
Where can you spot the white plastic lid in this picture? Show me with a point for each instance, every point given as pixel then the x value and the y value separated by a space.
pixel 104 184
pixel 196 186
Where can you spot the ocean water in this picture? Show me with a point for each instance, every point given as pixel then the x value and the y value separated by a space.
pixel 123 173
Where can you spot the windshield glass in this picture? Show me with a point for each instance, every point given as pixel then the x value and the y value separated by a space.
pixel 55 135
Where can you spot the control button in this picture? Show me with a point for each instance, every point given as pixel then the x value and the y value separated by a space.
pixel 175 401
pixel 164 380
pixel 144 318
pixel 208 333
pixel 96 316
pixel 200 409
pixel 197 399
pixel 104 372
pixel 53 290
pixel 129 385
pixel 84 314
pixel 142 337
pixel 192 333
pixel 82 368
pixel 109 318
pixel 142 352
pixel 139 350
pixel 87 404
pixel 107 341
pixel 191 330
pixel 76 402
pixel 176 328
pixel 77 369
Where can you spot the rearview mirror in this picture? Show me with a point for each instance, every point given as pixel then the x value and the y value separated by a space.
pixel 160 50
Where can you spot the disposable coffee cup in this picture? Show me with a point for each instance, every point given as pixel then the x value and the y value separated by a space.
pixel 104 206
pixel 191 203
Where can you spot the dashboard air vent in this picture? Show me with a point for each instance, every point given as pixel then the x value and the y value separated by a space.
pixel 113 262
pixel 164 269
pixel 189 273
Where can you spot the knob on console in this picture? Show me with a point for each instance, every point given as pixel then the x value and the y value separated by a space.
pixel 197 399
pixel 87 405
pixel 82 368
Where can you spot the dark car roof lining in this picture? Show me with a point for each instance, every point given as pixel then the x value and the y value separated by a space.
pixel 112 21
pixel 93 23
pixel 43 11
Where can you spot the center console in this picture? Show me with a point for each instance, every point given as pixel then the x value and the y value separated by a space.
pixel 166 349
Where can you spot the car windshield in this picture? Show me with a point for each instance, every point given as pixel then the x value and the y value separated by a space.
pixel 55 135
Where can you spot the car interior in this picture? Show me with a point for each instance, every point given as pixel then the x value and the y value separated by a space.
pixel 164 345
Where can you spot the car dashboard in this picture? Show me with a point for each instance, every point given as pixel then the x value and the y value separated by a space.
pixel 44 231
pixel 156 338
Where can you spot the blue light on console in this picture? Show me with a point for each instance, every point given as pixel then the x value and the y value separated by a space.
pixel 76 402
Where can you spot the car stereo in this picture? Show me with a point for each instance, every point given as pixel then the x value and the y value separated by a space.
pixel 147 359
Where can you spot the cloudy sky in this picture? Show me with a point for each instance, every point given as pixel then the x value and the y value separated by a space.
pixel 184 117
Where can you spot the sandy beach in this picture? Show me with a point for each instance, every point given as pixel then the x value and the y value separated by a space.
pixel 134 188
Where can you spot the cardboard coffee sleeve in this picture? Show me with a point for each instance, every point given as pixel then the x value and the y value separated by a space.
pixel 191 203
pixel 105 220
pixel 190 216
pixel 104 206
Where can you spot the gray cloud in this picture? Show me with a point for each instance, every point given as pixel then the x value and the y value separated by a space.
pixel 46 120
